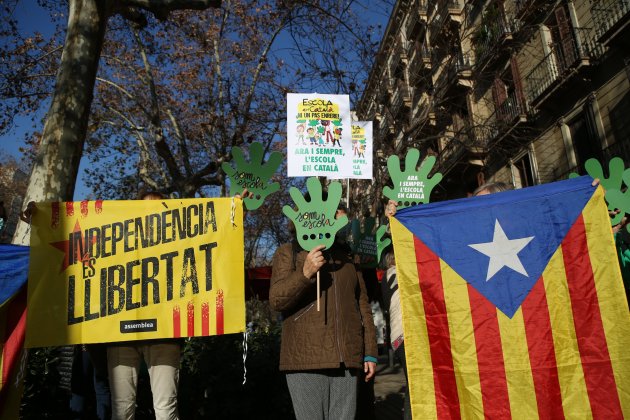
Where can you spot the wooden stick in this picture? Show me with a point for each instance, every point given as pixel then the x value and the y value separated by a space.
pixel 318 291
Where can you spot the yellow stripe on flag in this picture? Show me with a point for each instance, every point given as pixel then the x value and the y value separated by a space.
pixel 518 370
pixel 575 402
pixel 417 352
pixel 462 343
pixel 609 286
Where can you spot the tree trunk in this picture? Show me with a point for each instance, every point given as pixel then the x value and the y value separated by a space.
pixel 56 166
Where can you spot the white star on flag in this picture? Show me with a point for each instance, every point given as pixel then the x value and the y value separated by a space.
pixel 503 252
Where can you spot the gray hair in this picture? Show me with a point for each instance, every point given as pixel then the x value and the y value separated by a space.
pixel 493 187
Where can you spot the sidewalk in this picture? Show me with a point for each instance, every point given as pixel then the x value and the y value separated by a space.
pixel 389 387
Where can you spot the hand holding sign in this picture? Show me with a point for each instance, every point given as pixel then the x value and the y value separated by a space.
pixel 314 220
pixel 411 186
pixel 253 175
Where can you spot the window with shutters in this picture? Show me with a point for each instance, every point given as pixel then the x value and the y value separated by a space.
pixel 507 93
pixel 564 44
pixel 586 143
pixel 522 172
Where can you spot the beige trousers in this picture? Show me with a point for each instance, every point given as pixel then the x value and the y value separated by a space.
pixel 162 360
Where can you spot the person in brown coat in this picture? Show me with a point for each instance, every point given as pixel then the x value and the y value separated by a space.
pixel 323 351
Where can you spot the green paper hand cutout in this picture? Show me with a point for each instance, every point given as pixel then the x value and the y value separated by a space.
pixel 381 243
pixel 595 170
pixel 411 186
pixel 612 184
pixel 253 175
pixel 620 200
pixel 314 220
pixel 364 241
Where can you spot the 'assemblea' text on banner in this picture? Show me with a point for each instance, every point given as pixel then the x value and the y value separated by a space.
pixel 107 271
pixel 319 135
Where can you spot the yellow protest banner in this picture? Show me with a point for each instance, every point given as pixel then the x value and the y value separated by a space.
pixel 106 271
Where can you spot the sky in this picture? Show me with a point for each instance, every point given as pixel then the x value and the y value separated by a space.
pixel 31 17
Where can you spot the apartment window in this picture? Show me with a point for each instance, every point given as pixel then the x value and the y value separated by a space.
pixel 586 143
pixel 507 92
pixel 620 121
pixel 563 38
pixel 522 172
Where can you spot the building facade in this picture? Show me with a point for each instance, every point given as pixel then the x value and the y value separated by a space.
pixel 520 91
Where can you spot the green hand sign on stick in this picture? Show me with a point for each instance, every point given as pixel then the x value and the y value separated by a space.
pixel 315 222
pixel 620 200
pixel 611 184
pixel 364 241
pixel 253 175
pixel 381 243
pixel 411 186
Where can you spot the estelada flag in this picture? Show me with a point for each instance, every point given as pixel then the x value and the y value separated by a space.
pixel 513 306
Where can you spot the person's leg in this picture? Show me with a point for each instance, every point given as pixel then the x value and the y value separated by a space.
pixel 98 356
pixel 400 355
pixel 343 394
pixel 122 363
pixel 163 363
pixel 310 395
pixel 81 371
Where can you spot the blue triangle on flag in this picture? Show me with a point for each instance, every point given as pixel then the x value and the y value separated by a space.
pixel 501 243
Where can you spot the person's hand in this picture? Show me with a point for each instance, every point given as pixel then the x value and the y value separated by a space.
pixel 244 194
pixel 370 370
pixel 28 212
pixel 314 260
pixel 390 208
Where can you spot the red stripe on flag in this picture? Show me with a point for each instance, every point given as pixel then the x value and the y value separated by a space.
pixel 98 206
pixel 69 208
pixel 447 399
pixel 14 334
pixel 598 371
pixel 191 319
pixel 13 340
pixel 205 319
pixel 177 332
pixel 494 390
pixel 542 354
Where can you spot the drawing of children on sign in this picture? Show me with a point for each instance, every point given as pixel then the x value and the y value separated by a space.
pixel 328 131
pixel 320 139
pixel 300 134
pixel 337 137
pixel 326 120
pixel 311 136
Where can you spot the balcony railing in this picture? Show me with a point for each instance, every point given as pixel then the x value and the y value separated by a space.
pixel 607 14
pixel 448 8
pixel 419 62
pixel 562 57
pixel 527 7
pixel 510 109
pixel 485 41
pixel 417 20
